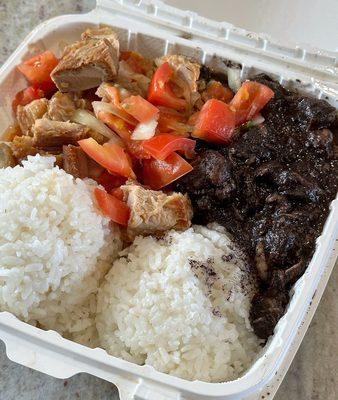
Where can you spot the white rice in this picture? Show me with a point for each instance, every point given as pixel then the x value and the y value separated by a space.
pixel 54 248
pixel 180 304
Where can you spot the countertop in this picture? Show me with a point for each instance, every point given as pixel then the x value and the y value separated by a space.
pixel 312 375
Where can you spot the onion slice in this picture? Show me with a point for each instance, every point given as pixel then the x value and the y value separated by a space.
pixel 234 79
pixel 84 117
pixel 145 130
pixel 99 106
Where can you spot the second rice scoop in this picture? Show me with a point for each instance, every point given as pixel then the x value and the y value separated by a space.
pixel 180 304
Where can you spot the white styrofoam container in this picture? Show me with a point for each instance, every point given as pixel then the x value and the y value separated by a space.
pixel 154 29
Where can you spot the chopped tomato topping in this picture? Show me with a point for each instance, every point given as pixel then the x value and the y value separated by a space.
pixel 136 149
pixel 193 118
pixel 118 193
pixel 159 173
pixel 160 92
pixel 112 207
pixel 215 90
pixel 161 146
pixel 118 125
pixel 114 94
pixel 173 121
pixel 140 108
pixel 110 181
pixel 26 96
pixel 37 70
pixel 249 100
pixel 110 155
pixel 136 62
pixel 215 122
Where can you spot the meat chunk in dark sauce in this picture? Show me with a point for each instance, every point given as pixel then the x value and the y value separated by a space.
pixel 271 188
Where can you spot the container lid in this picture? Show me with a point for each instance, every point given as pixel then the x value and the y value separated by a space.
pixel 322 65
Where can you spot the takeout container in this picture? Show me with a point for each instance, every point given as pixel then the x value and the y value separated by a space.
pixel 154 29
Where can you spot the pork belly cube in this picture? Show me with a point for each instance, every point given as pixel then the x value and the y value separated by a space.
pixel 6 156
pixel 154 212
pixel 75 161
pixel 23 146
pixel 61 107
pixel 50 134
pixel 28 114
pixel 87 63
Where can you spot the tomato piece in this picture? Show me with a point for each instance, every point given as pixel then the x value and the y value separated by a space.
pixel 193 118
pixel 26 96
pixel 118 125
pixel 37 69
pixel 215 90
pixel 136 149
pixel 161 146
pixel 118 193
pixel 110 155
pixel 112 207
pixel 250 98
pixel 215 122
pixel 173 121
pixel 136 62
pixel 159 173
pixel 160 92
pixel 140 108
pixel 110 181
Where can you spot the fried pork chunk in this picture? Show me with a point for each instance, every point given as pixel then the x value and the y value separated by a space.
pixel 154 212
pixel 61 107
pixel 75 161
pixel 28 114
pixel 6 156
pixel 87 63
pixel 51 134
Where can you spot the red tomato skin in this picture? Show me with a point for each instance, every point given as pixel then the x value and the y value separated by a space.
pixel 140 108
pixel 26 96
pixel 215 90
pixel 110 181
pixel 112 207
pixel 161 146
pixel 160 92
pixel 37 69
pixel 110 156
pixel 159 173
pixel 249 100
pixel 215 122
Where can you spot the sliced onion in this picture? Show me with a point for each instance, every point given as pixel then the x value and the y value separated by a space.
pixel 259 119
pixel 111 108
pixel 234 79
pixel 84 117
pixel 145 130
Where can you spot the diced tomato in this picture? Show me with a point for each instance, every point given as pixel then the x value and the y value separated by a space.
pixel 26 96
pixel 193 118
pixel 112 207
pixel 110 181
pixel 161 146
pixel 215 123
pixel 136 62
pixel 173 121
pixel 37 70
pixel 249 100
pixel 118 125
pixel 110 155
pixel 136 149
pixel 159 173
pixel 113 94
pixel 160 92
pixel 140 108
pixel 118 193
pixel 215 90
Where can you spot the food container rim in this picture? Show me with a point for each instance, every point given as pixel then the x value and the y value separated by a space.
pixel 10 326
